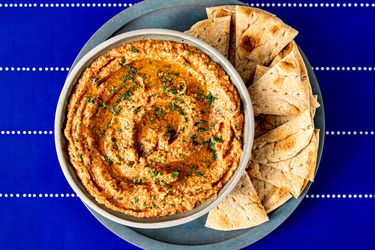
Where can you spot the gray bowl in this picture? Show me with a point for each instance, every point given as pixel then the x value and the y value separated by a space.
pixel 60 141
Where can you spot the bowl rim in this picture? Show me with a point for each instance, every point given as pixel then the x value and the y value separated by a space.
pixel 142 34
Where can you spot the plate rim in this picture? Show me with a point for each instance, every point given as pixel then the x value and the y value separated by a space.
pixel 136 238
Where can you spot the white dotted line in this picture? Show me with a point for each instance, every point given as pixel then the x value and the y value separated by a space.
pixel 74 5
pixel 50 132
pixel 40 195
pixel 339 196
pixel 73 195
pixel 346 68
pixel 62 5
pixel 300 5
pixel 40 69
pixel 26 132
pixel 34 69
pixel 350 132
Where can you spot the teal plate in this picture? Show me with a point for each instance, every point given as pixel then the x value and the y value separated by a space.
pixel 180 15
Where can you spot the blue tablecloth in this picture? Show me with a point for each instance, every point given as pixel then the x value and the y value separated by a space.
pixel 38 43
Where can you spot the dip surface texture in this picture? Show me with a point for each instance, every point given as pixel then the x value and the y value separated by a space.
pixel 154 128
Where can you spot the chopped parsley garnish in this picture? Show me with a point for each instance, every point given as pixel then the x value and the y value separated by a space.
pixel 134 49
pixel 199 173
pixel 126 94
pixel 172 107
pixel 80 156
pixel 137 181
pixel 159 112
pixel 108 160
pixel 194 139
pixel 201 129
pixel 207 164
pixel 192 167
pixel 112 90
pixel 115 111
pixel 175 174
pixel 136 199
pixel 181 111
pixel 154 173
pixel 122 62
pixel 201 96
pixel 210 99
pixel 213 155
pixel 218 139
pixel 101 134
pixel 171 90
pixel 89 99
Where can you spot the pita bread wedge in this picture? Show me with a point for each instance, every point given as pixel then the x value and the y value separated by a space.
pixel 304 75
pixel 304 163
pixel 271 196
pixel 223 11
pixel 314 104
pixel 280 90
pixel 260 36
pixel 240 209
pixel 285 141
pixel 260 71
pixel 283 53
pixel 213 31
pixel 220 11
pixel 277 177
pixel 266 123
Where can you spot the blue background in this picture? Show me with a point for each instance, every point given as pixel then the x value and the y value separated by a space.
pixel 52 37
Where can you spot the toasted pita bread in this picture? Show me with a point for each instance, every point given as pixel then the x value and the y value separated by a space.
pixel 283 53
pixel 280 90
pixel 266 123
pixel 277 177
pixel 271 196
pixel 260 36
pixel 214 32
pixel 223 11
pixel 304 75
pixel 304 163
pixel 260 71
pixel 314 104
pixel 220 11
pixel 240 209
pixel 285 141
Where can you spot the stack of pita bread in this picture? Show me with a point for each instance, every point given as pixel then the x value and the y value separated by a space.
pixel 262 49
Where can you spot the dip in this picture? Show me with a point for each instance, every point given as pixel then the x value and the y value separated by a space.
pixel 154 128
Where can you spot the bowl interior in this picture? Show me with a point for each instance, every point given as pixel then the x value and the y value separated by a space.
pixel 69 172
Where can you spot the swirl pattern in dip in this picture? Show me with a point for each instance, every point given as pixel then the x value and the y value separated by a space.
pixel 154 128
